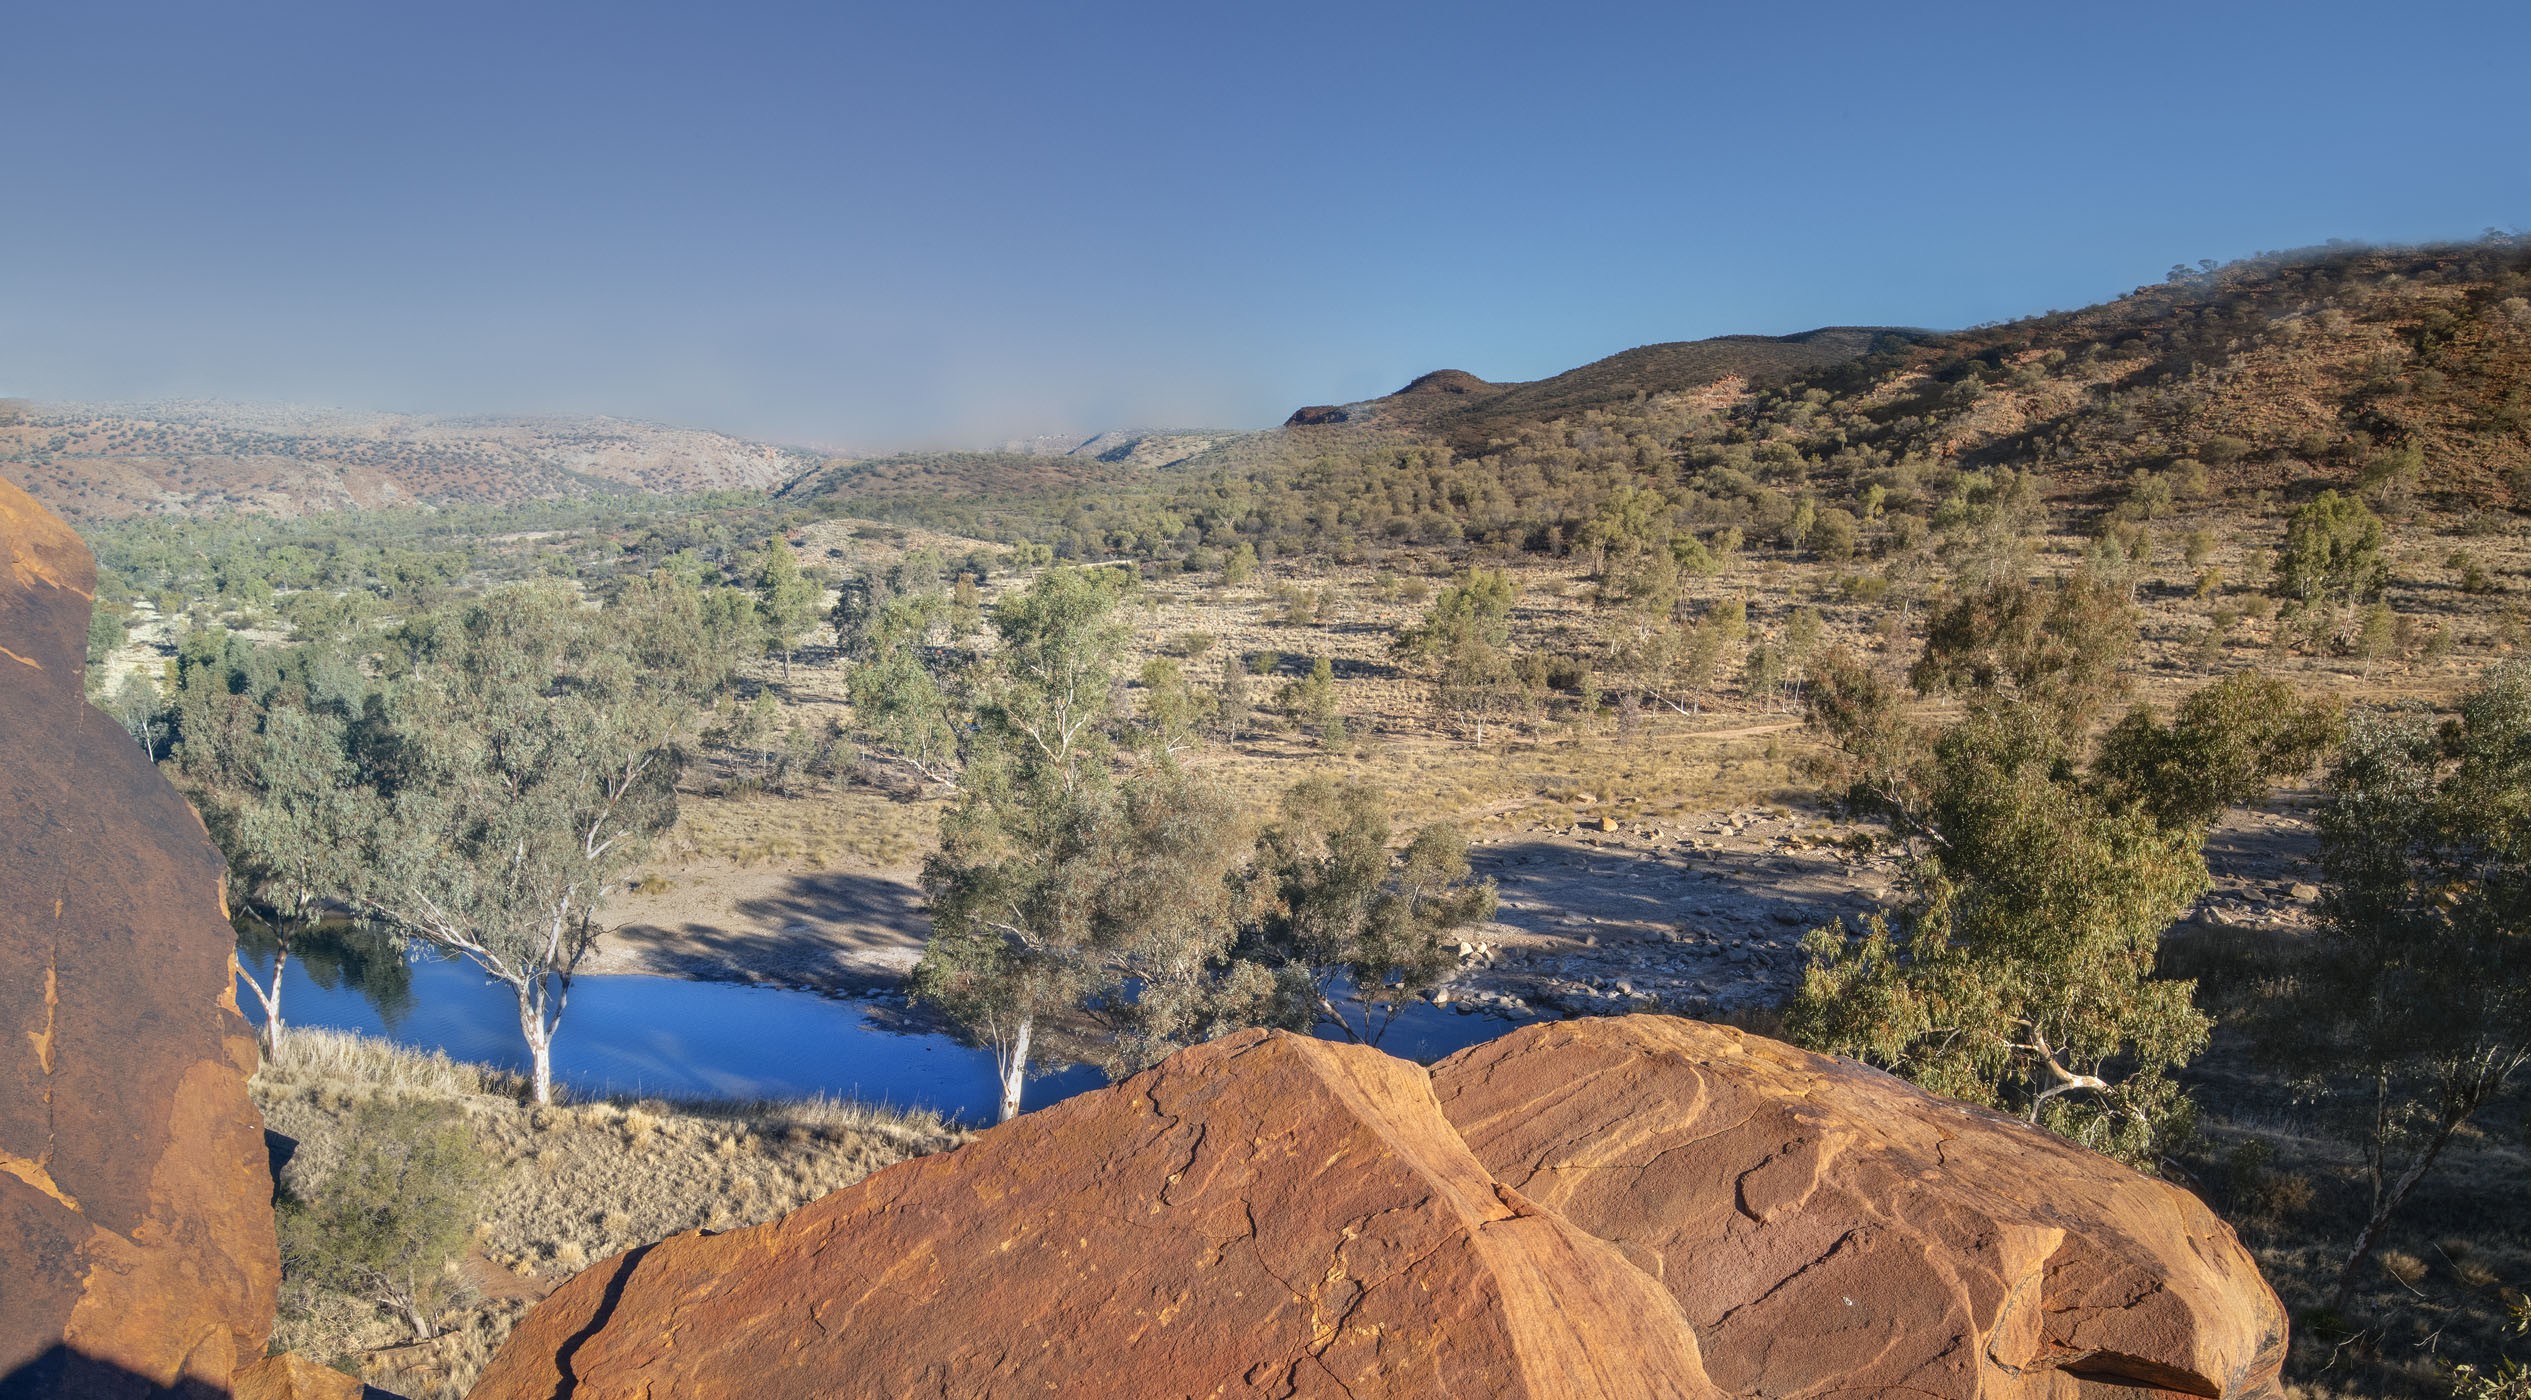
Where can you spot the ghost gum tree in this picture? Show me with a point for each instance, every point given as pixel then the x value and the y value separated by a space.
pixel 261 751
pixel 2042 864
pixel 1464 644
pixel 1018 883
pixel 525 758
pixel 786 600
pixel 1077 891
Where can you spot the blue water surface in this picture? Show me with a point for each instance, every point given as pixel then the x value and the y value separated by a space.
pixel 672 1038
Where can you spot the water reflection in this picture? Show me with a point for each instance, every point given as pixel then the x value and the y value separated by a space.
pixel 339 956
pixel 632 1034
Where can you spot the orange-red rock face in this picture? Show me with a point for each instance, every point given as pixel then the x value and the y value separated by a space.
pixel 136 1231
pixel 1826 1227
pixel 1266 1215
pixel 1636 1207
pixel 291 1376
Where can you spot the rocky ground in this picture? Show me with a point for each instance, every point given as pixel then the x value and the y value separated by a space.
pixel 1707 917
pixel 1703 915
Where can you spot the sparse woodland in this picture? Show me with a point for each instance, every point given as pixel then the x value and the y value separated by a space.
pixel 2029 610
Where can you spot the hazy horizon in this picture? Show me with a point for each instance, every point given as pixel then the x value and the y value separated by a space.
pixel 868 230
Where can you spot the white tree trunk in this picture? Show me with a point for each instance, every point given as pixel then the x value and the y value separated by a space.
pixel 270 1001
pixel 1012 1056
pixel 540 1045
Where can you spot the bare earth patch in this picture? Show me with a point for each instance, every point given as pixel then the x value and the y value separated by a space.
pixel 838 931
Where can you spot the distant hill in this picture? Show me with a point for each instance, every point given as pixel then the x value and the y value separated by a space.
pixel 2402 372
pixel 102 461
pixel 1468 411
pixel 1141 447
pixel 2396 369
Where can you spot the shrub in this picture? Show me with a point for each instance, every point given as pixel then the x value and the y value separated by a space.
pixel 385 1224
pixel 2332 552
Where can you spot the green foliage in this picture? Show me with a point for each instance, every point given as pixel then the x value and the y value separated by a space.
pixel 2062 648
pixel 331 574
pixel 2018 974
pixel 1342 913
pixel 1051 897
pixel 109 625
pixel 2332 553
pixel 1055 888
pixel 393 1214
pixel 1630 536
pixel 786 600
pixel 2412 1011
pixel 510 774
pixel 1050 690
pixel 1311 702
pixel 1231 702
pixel 2227 745
pixel 1172 709
pixel 2019 970
pixel 1463 642
pixel 908 705
pixel 685 635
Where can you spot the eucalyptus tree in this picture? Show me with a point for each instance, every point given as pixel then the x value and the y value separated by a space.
pixel 786 600
pixel 1358 931
pixel 520 764
pixel 685 634
pixel 2332 553
pixel 2411 1012
pixel 261 750
pixel 2018 970
pixel 1464 643
pixel 282 825
pixel 906 703
pixel 1060 890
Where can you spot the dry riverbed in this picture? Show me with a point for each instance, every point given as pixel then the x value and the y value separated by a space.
pixel 1701 915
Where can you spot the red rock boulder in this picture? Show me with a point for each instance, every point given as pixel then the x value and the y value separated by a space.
pixel 1829 1228
pixel 1266 1215
pixel 1633 1207
pixel 291 1376
pixel 136 1228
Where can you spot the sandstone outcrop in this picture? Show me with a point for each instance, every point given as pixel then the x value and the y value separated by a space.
pixel 291 1376
pixel 1266 1215
pixel 1638 1206
pixel 136 1229
pixel 1826 1227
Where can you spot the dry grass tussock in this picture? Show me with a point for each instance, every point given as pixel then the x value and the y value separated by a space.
pixel 573 1183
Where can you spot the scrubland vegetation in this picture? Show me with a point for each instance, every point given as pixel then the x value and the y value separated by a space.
pixel 2030 608
pixel 433 1183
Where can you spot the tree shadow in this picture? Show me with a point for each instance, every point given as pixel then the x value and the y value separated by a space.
pixel 2247 845
pixel 840 932
pixel 1682 927
pixel 63 1372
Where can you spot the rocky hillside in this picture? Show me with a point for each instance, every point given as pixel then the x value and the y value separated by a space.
pixel 2401 370
pixel 92 461
pixel 1467 411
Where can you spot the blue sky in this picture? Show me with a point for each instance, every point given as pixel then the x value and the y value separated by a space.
pixel 946 223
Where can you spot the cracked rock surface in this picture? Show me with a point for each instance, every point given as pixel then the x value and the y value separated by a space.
pixel 1624 1207
pixel 136 1227
pixel 1264 1215
pixel 1826 1227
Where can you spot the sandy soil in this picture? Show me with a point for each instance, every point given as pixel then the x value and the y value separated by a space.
pixel 838 931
